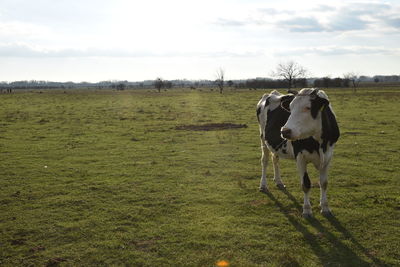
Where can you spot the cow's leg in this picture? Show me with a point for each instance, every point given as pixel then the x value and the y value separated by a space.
pixel 277 173
pixel 264 163
pixel 305 184
pixel 323 181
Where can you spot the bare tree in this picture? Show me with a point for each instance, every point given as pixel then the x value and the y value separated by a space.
pixel 353 78
pixel 158 84
pixel 290 72
pixel 220 79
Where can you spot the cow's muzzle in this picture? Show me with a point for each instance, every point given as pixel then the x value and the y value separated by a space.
pixel 286 133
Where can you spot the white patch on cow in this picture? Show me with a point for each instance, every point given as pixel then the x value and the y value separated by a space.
pixel 274 99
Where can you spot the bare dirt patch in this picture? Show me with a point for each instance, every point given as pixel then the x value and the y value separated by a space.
pixel 210 127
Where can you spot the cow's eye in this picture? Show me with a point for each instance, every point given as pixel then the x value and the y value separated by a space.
pixel 307 109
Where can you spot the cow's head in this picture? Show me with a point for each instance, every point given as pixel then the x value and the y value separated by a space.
pixel 304 120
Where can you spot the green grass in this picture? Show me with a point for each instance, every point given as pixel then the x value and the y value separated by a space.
pixel 103 178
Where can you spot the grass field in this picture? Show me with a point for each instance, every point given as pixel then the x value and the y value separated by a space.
pixel 97 178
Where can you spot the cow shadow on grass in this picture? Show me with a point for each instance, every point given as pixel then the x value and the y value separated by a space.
pixel 337 253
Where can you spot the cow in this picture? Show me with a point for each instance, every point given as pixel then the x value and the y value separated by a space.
pixel 300 126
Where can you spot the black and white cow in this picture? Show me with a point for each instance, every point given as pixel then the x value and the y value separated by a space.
pixel 300 126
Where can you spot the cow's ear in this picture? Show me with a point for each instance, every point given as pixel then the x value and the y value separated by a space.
pixel 285 102
pixel 314 93
pixel 318 104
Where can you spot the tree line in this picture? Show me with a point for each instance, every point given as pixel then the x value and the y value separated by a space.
pixel 286 75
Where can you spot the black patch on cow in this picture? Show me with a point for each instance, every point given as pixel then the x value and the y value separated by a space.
pixel 306 181
pixel 309 144
pixel 285 102
pixel 330 129
pixel 275 120
pixel 316 104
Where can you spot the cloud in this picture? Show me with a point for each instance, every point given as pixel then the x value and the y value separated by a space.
pixel 22 50
pixel 18 28
pixel 391 20
pixel 55 13
pixel 348 17
pixel 301 24
pixel 366 8
pixel 324 8
pixel 339 51
pixel 357 16
pixel 274 11
pixel 346 22
pixel 230 22
pixel 394 22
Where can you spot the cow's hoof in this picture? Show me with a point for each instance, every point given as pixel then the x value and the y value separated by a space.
pixel 263 189
pixel 307 216
pixel 281 186
pixel 327 214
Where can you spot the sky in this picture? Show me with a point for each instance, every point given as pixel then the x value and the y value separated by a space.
pixel 100 40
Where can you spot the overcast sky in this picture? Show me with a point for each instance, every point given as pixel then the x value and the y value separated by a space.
pixel 97 40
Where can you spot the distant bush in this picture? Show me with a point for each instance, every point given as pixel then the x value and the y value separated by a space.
pixel 269 83
pixel 327 82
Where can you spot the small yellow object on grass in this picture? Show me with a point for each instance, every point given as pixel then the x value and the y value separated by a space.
pixel 222 263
